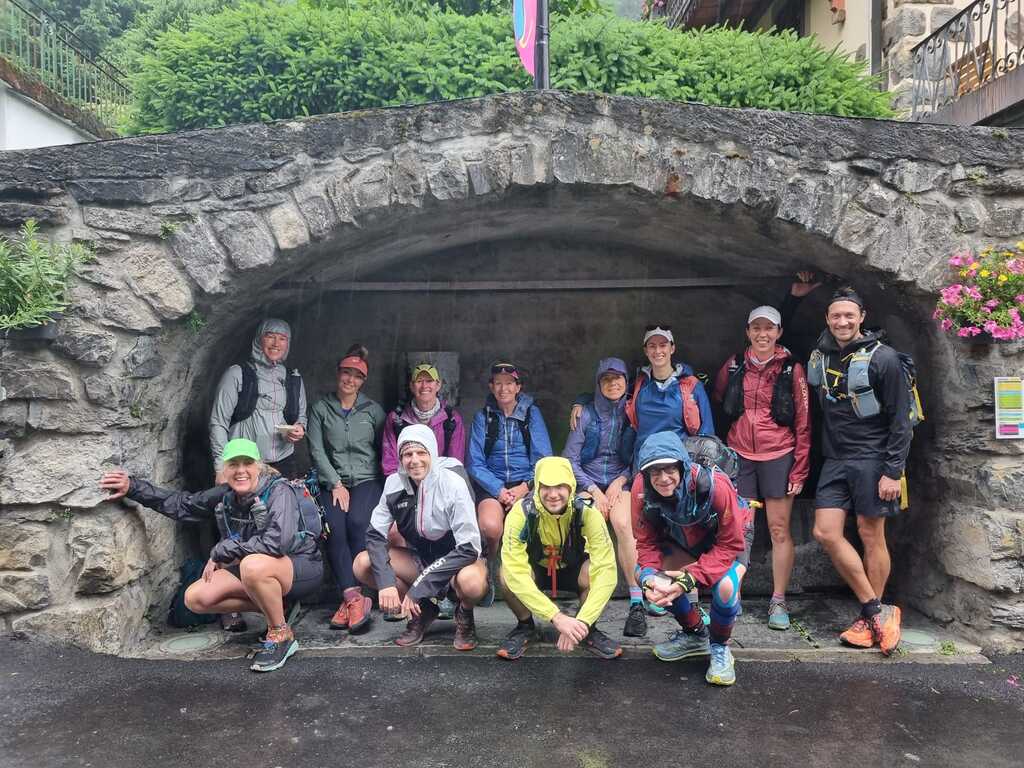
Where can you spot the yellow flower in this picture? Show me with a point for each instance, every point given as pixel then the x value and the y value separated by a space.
pixel 1003 278
pixel 984 273
pixel 973 265
pixel 963 273
pixel 1020 245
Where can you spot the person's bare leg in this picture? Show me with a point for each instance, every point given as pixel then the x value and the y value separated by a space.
pixel 778 512
pixel 491 516
pixel 877 562
pixel 223 593
pixel 583 582
pixel 470 583
pixel 625 545
pixel 522 613
pixel 402 563
pixel 828 530
pixel 267 580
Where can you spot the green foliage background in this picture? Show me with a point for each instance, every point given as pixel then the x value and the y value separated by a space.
pixel 262 61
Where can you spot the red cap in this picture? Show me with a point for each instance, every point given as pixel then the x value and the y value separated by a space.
pixel 354 362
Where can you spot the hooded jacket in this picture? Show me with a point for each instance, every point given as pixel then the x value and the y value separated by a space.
pixel 703 516
pixel 389 447
pixel 508 463
pixel 269 413
pixel 247 525
pixel 884 437
pixel 755 435
pixel 601 463
pixel 659 405
pixel 437 518
pixel 518 570
pixel 344 446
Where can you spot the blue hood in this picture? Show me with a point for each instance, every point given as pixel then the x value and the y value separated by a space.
pixel 663 445
pixel 681 509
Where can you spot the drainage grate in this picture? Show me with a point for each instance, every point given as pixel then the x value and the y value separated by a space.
pixel 196 642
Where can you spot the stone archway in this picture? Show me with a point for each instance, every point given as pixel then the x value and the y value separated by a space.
pixel 197 231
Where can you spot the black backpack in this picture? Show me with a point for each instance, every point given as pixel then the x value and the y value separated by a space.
pixel 712 453
pixel 249 395
pixel 179 615
pixel 491 436
pixel 783 408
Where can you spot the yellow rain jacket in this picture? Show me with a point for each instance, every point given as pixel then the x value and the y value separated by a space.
pixel 553 531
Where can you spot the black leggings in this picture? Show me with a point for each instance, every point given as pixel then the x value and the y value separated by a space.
pixel 348 528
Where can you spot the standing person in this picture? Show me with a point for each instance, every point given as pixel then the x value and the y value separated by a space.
pixel 428 499
pixel 764 391
pixel 260 400
pixel 553 536
pixel 507 438
pixel 866 433
pixel 268 546
pixel 691 529
pixel 600 450
pixel 344 440
pixel 426 407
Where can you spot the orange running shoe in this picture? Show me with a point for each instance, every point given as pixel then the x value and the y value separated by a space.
pixel 885 629
pixel 340 618
pixel 858 635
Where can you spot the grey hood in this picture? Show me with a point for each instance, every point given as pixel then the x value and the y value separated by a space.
pixel 270 325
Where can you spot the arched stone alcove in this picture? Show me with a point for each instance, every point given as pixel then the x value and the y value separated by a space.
pixel 199 234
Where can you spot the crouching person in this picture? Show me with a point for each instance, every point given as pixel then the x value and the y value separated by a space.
pixel 691 529
pixel 268 548
pixel 552 536
pixel 430 502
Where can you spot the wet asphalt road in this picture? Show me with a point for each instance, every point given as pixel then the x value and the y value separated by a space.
pixel 70 708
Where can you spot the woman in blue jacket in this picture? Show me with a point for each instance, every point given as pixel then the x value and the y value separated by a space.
pixel 507 438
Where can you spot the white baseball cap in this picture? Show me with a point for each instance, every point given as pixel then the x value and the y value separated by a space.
pixel 766 312
pixel 659 331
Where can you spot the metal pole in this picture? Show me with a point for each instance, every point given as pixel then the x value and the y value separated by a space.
pixel 542 76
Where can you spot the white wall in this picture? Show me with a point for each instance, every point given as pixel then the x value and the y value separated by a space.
pixel 24 124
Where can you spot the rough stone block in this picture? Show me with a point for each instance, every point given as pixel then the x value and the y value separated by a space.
pixel 245 237
pixel 41 471
pixel 144 360
pixel 15 214
pixel 108 624
pixel 941 15
pixel 285 176
pixel 316 210
pixel 77 418
pixel 157 280
pixel 84 343
pixel 288 226
pixel 35 376
pixel 970 216
pixel 858 229
pixel 877 200
pixel 905 23
pixel 23 591
pixel 122 220
pixel 447 180
pixel 123 310
pixel 13 418
pixel 196 248
pixel 908 176
pixel 109 549
pixel 1004 221
pixel 23 546
pixel 105 390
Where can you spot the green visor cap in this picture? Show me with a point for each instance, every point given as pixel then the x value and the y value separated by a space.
pixel 240 447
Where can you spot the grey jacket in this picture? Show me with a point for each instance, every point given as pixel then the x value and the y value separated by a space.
pixel 269 408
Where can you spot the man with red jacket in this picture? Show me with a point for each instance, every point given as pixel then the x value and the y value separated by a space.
pixel 763 390
pixel 691 529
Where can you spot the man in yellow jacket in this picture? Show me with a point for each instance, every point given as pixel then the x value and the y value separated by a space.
pixel 553 537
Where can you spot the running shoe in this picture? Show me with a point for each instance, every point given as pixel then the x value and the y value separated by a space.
pixel 858 635
pixel 273 654
pixel 602 646
pixel 655 610
pixel 358 614
pixel 417 627
pixel 340 618
pixel 636 621
pixel 514 644
pixel 778 615
pixel 722 669
pixel 684 644
pixel 885 629
pixel 465 629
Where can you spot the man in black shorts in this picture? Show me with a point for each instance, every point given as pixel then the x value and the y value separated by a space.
pixel 866 435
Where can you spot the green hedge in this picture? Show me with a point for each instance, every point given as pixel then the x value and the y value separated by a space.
pixel 263 61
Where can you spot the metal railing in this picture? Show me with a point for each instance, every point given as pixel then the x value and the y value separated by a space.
pixel 980 44
pixel 38 45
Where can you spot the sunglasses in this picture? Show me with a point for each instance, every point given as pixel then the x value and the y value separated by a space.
pixel 662 326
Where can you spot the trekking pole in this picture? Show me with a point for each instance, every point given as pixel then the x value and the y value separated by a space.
pixel 542 76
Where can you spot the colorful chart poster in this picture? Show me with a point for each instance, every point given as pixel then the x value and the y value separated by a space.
pixel 1009 408
pixel 524 21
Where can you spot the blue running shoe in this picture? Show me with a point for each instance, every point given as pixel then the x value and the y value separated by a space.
pixel 684 644
pixel 722 670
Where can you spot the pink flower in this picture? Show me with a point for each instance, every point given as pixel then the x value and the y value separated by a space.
pixel 946 324
pixel 990 326
pixel 1019 298
pixel 991 304
pixel 974 293
pixel 1016 266
pixel 955 260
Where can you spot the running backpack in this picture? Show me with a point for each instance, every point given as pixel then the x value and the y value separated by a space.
pixel 493 425
pixel 179 615
pixel 783 407
pixel 249 394
pixel 711 453
pixel 691 410
pixel 858 385
pixel 312 521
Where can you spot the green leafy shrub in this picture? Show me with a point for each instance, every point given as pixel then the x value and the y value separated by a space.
pixel 262 62
pixel 34 275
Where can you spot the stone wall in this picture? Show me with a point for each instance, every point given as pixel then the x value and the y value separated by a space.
pixel 199 233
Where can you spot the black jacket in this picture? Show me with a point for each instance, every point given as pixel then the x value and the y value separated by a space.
pixel 887 435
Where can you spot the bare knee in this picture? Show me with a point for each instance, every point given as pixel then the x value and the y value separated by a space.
pixel 779 530
pixel 491 519
pixel 826 535
pixel 362 568
pixel 195 598
pixel 255 568
pixel 871 533
pixel 471 582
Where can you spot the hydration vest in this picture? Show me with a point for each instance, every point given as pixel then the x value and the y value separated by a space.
pixel 691 411
pixel 249 395
pixel 783 407
pixel 493 425
pixel 858 389
pixel 572 552
pixel 231 520
pixel 592 438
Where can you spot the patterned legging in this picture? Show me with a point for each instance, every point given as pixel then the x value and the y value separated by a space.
pixel 725 605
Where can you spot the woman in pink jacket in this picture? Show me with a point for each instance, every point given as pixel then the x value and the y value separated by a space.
pixel 764 392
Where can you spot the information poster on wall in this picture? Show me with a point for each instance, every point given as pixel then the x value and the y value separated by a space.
pixel 1009 408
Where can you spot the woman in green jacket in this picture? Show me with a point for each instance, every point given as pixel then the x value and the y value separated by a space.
pixel 344 441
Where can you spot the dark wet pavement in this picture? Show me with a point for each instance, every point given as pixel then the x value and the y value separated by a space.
pixel 71 708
